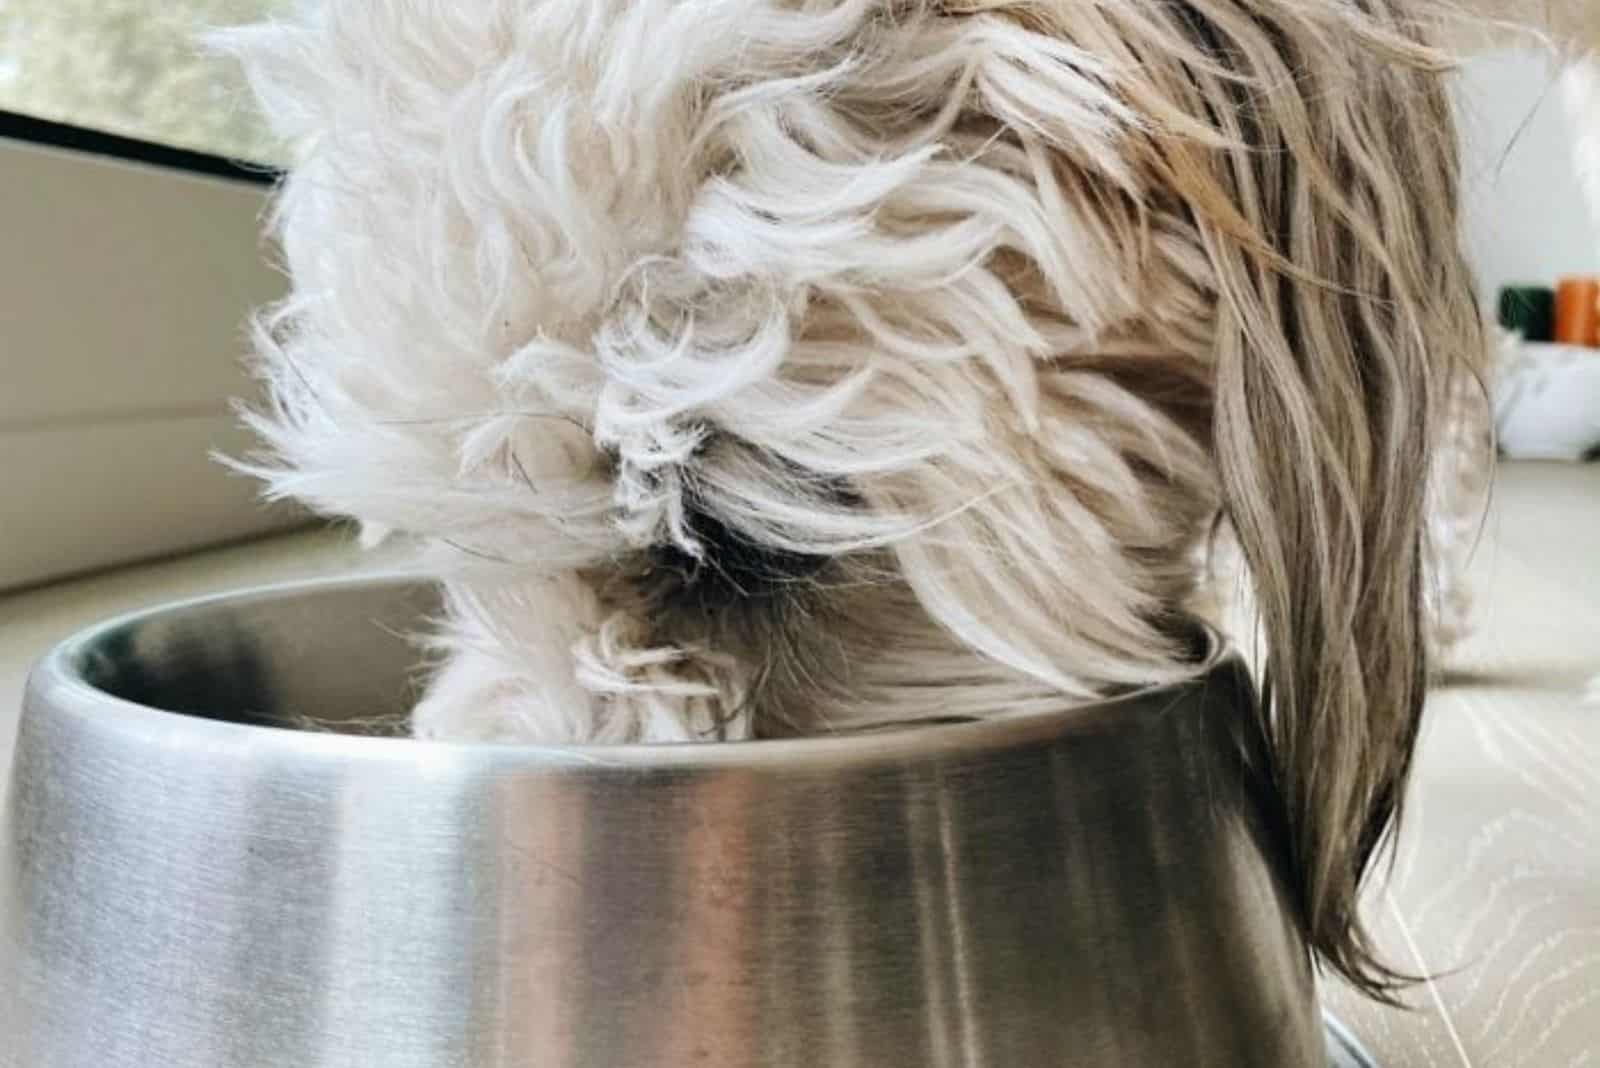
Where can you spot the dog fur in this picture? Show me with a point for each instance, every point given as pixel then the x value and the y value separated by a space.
pixel 770 367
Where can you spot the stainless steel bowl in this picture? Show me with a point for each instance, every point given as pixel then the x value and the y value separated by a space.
pixel 185 884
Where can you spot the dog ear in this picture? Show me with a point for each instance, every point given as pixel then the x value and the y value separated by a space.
pixel 1335 347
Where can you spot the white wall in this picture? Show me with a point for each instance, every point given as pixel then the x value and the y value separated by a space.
pixel 123 295
pixel 1527 218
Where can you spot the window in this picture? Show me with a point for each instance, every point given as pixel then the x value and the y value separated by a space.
pixel 133 68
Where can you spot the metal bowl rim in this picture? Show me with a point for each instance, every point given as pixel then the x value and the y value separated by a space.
pixel 56 684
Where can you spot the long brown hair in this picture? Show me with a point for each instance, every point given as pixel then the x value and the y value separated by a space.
pixel 1346 313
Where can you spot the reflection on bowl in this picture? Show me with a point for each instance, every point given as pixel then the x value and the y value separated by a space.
pixel 184 883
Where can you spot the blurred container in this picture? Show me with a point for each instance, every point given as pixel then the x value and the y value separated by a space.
pixel 1529 311
pixel 1578 312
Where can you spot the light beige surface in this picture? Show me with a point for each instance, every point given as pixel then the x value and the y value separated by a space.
pixel 1496 888
pixel 124 293
pixel 1498 877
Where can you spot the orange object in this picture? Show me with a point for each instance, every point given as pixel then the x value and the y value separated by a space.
pixel 1578 312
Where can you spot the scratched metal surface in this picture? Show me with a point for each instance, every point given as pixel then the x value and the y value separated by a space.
pixel 1085 887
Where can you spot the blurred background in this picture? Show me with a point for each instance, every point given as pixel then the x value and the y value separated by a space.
pixel 130 67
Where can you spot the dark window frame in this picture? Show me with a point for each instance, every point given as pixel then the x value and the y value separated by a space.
pixel 82 139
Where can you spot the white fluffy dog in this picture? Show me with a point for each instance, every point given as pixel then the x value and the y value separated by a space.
pixel 762 367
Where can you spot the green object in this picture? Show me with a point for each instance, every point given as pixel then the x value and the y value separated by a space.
pixel 1530 311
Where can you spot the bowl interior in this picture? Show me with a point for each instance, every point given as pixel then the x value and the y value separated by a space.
pixel 330 657
pixel 340 657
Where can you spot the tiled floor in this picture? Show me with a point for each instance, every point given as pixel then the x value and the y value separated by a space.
pixel 1496 890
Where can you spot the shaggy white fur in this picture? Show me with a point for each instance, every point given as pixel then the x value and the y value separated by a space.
pixel 758 367
pixel 571 277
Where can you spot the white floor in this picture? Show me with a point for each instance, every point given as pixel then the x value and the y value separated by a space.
pixel 1496 889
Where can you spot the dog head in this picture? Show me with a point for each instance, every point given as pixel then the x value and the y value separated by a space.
pixel 767 366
